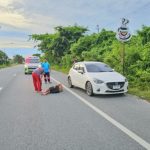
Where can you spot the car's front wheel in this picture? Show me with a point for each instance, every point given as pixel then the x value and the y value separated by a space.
pixel 89 89
pixel 70 82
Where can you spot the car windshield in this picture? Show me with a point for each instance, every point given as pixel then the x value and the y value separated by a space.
pixel 98 67
pixel 32 61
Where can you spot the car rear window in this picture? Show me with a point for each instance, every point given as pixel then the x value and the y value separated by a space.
pixel 98 67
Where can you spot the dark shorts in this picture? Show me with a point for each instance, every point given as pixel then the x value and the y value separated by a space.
pixel 46 74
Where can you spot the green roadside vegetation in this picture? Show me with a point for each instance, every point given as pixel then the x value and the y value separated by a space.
pixel 76 43
pixel 4 66
pixel 143 94
pixel 60 68
pixel 5 61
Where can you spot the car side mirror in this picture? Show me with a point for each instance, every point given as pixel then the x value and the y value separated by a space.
pixel 81 71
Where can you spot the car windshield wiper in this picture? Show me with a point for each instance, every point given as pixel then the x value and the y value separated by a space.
pixel 106 71
pixel 103 71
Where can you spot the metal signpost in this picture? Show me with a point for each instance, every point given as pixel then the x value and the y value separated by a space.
pixel 123 35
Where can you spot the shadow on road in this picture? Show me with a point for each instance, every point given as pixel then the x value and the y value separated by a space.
pixel 100 95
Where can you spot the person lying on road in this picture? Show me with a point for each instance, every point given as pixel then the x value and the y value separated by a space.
pixel 54 89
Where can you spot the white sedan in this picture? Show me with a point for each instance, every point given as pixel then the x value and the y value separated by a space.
pixel 97 78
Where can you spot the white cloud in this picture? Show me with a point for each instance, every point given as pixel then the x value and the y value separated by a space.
pixel 5 3
pixel 6 42
pixel 30 16
pixel 41 16
pixel 14 19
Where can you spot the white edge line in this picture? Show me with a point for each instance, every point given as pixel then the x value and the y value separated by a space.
pixel 1 88
pixel 111 120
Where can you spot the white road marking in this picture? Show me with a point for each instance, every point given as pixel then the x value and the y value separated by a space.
pixel 1 88
pixel 111 120
pixel 14 75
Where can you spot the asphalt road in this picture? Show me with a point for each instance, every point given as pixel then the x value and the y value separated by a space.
pixel 70 120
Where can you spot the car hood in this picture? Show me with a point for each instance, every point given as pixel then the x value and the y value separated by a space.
pixel 107 76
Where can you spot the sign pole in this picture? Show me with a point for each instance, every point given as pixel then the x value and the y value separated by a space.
pixel 123 35
pixel 123 58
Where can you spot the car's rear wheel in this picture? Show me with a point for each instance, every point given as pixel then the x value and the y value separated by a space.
pixel 89 89
pixel 70 82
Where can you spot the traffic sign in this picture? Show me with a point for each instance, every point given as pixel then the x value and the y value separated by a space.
pixel 123 33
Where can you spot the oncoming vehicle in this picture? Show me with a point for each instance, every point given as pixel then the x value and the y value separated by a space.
pixel 97 78
pixel 31 63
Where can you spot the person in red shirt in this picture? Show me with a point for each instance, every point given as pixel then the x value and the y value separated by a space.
pixel 36 76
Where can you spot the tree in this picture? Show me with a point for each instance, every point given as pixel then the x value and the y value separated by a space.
pixel 58 44
pixel 18 59
pixel 71 33
pixel 92 47
pixel 38 55
pixel 144 34
pixel 83 44
pixel 3 58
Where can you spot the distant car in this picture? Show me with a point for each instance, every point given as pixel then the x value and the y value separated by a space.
pixel 31 63
pixel 97 78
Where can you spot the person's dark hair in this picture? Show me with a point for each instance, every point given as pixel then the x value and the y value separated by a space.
pixel 59 86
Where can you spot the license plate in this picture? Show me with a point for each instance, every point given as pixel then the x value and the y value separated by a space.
pixel 116 87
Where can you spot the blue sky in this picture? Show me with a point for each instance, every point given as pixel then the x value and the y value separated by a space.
pixel 20 18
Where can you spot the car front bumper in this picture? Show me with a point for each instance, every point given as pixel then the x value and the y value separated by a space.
pixel 29 70
pixel 104 89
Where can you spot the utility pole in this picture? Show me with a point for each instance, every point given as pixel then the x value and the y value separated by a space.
pixel 97 27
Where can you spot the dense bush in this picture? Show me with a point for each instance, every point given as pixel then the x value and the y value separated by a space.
pixel 71 44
